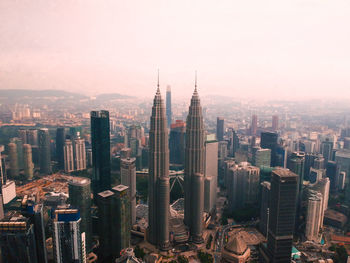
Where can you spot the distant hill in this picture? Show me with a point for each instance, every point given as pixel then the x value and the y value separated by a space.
pixel 21 93
pixel 113 96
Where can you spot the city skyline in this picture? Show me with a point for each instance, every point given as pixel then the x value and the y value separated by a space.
pixel 255 50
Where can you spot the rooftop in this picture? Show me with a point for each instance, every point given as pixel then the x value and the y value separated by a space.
pixel 120 188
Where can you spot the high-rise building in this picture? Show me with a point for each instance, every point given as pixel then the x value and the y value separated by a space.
pixel 296 165
pixel 80 197
pixel 314 216
pixel 234 142
pixel 14 169
pixel 2 168
pixel 120 224
pixel 114 222
pixel 211 171
pixel 284 184
pixel 264 207
pixel 332 172
pixel 45 152
pixel 254 125
pixel 322 186
pixel 158 178
pixel 194 168
pixel 243 185
pixel 261 157
pixel 101 159
pixel 22 133
pixel 19 145
pixel 32 137
pixel 60 141
pixel 28 161
pixel 68 241
pixel 128 178
pixel 275 122
pixel 17 240
pixel 326 149
pixel 68 156
pixel 220 128
pixel 177 142
pixel 342 180
pixel 168 105
pixel 79 154
pixel 269 141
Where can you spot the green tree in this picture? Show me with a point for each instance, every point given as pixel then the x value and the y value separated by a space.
pixel 182 259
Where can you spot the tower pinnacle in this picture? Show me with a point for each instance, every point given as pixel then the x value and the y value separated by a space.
pixel 195 82
pixel 158 91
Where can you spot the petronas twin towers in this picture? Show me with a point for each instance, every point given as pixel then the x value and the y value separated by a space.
pixel 158 183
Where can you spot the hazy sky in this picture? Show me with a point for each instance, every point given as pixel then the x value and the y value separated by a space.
pixel 277 48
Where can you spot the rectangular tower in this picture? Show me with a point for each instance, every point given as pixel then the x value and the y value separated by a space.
pixel 220 128
pixel 101 159
pixel 282 215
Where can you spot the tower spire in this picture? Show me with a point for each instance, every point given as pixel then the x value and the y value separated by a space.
pixel 158 91
pixel 195 82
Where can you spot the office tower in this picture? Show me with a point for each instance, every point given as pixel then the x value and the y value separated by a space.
pixel 177 142
pixel 342 158
pixel 28 163
pixel 342 180
pixel 332 172
pixel 79 154
pixel 323 187
pixel 315 175
pixel 168 105
pixel 319 162
pixel 296 165
pixel 211 171
pixel 17 240
pixel 80 197
pixel 220 128
pixel 314 216
pixel 101 158
pixel 264 207
pixel 194 165
pixel 243 185
pixel 326 149
pixel 222 152
pixel 254 125
pixel 274 122
pixel 89 157
pixel 22 133
pixel 269 141
pixel 347 143
pixel 44 151
pixel 114 222
pixel 281 156
pixel 68 241
pixel 19 148
pixel 60 142
pixel 158 178
pixel 261 157
pixel 309 163
pixel 234 142
pixel 120 224
pixel 284 184
pixel 14 170
pixel 32 137
pixel 125 153
pixel 104 203
pixel 128 178
pixel 68 156
pixel 1 208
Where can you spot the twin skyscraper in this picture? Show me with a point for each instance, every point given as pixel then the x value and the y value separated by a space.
pixel 159 186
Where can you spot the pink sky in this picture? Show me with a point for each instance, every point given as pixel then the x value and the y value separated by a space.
pixel 270 49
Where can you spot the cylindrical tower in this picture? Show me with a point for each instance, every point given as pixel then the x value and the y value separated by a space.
pixel 197 207
pixel 163 201
pixel 28 161
pixel 14 171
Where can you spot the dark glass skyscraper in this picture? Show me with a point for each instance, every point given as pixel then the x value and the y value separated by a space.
pixel 158 178
pixel 44 151
pixel 220 128
pixel 194 169
pixel 332 172
pixel 177 142
pixel 60 139
pixel 168 105
pixel 101 156
pixel 282 216
pixel 269 141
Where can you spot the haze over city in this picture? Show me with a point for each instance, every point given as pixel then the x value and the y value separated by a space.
pixel 258 49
